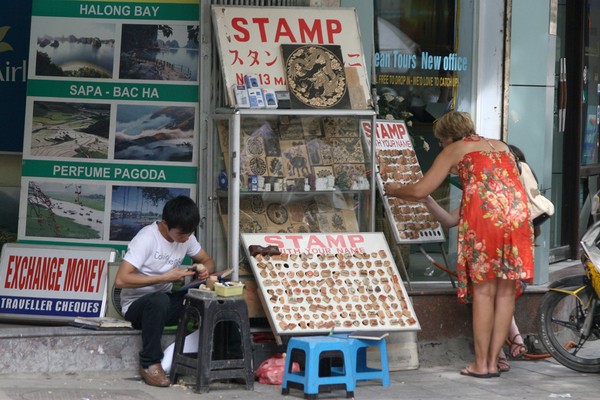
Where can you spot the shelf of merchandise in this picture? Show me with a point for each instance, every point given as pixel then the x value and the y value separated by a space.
pixel 234 116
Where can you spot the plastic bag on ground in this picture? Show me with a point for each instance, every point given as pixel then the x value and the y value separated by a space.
pixel 271 370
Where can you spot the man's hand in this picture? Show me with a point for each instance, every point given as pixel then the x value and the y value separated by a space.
pixel 177 274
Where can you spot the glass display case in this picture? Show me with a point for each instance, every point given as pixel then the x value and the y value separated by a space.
pixel 292 171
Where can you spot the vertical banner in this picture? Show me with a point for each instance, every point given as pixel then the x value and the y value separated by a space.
pixel 14 44
pixel 111 129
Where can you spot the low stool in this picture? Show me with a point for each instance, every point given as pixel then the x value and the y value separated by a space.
pixel 207 364
pixel 309 352
pixel 361 369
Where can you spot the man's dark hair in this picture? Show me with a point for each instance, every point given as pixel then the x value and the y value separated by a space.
pixel 181 213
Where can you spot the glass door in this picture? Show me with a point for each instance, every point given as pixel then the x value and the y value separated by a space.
pixel 576 169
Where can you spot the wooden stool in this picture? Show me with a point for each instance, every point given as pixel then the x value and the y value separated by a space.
pixel 209 311
pixel 309 351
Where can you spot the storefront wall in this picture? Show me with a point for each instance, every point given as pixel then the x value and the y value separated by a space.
pixel 522 112
pixel 530 117
pixel 481 33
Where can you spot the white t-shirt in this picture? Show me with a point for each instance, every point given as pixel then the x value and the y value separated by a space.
pixel 151 254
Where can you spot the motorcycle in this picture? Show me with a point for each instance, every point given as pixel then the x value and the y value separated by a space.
pixel 568 319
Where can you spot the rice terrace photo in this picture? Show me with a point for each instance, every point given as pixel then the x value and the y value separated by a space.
pixel 70 130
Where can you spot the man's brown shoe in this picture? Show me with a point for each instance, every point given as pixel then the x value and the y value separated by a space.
pixel 154 375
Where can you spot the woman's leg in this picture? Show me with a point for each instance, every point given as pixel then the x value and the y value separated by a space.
pixel 504 307
pixel 484 295
pixel 517 345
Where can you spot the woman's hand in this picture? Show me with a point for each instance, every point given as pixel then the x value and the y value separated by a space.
pixel 391 188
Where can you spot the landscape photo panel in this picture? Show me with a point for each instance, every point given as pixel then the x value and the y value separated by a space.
pixel 133 207
pixel 65 210
pixel 70 130
pixel 79 49
pixel 154 133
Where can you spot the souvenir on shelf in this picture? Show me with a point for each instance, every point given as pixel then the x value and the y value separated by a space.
pixel 315 76
pixel 292 154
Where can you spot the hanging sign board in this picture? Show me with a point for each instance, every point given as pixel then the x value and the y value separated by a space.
pixel 53 283
pixel 397 161
pixel 324 282
pixel 250 40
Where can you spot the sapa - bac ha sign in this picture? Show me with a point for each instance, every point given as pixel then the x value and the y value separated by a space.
pixel 53 283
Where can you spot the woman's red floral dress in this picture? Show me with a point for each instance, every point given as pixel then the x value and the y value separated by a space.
pixel 495 236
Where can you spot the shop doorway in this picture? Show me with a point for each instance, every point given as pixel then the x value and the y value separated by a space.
pixel 576 165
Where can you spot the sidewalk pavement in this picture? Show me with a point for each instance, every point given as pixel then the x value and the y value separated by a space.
pixel 540 379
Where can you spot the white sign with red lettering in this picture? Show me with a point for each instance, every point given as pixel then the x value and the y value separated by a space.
pixel 397 162
pixel 249 40
pixel 324 282
pixel 53 282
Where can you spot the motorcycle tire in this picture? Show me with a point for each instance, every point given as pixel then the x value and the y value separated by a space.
pixel 560 318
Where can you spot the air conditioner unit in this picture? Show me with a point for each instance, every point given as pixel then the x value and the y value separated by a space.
pixel 113 303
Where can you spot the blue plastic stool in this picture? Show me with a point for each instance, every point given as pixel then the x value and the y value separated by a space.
pixel 308 351
pixel 359 355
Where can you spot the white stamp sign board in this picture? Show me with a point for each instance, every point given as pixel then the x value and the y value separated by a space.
pixel 324 282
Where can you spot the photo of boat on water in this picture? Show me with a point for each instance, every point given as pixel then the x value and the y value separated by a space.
pixel 159 52
pixel 80 48
pixel 154 133
pixel 65 210
pixel 71 130
pixel 134 207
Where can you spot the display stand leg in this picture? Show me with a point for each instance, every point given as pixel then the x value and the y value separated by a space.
pixel 445 257
pixel 445 268
pixel 402 266
pixel 270 318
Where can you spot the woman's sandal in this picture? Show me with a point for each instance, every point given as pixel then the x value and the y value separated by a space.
pixel 517 349
pixel 503 365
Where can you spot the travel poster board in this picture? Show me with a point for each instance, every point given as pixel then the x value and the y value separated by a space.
pixel 325 282
pixel 111 129
pixel 396 159
pixel 55 283
pixel 250 38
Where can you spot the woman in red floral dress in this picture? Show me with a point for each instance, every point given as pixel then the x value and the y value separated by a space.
pixel 495 236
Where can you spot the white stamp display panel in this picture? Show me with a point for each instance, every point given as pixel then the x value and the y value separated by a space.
pixel 323 282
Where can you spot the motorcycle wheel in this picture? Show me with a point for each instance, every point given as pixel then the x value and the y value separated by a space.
pixel 560 319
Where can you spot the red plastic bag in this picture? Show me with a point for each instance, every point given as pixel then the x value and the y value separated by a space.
pixel 271 370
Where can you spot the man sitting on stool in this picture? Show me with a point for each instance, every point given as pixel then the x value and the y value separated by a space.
pixel 147 273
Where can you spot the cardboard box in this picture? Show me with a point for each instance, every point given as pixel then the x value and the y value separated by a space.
pixel 234 289
pixel 251 81
pixel 256 98
pixel 241 96
pixel 270 98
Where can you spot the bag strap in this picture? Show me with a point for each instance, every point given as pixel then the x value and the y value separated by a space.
pixel 517 159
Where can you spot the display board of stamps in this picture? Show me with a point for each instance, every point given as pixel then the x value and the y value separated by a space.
pixel 397 162
pixel 324 282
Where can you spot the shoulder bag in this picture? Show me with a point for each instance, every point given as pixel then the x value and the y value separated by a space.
pixel 540 208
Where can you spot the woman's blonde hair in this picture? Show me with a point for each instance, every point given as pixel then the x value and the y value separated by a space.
pixel 455 125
